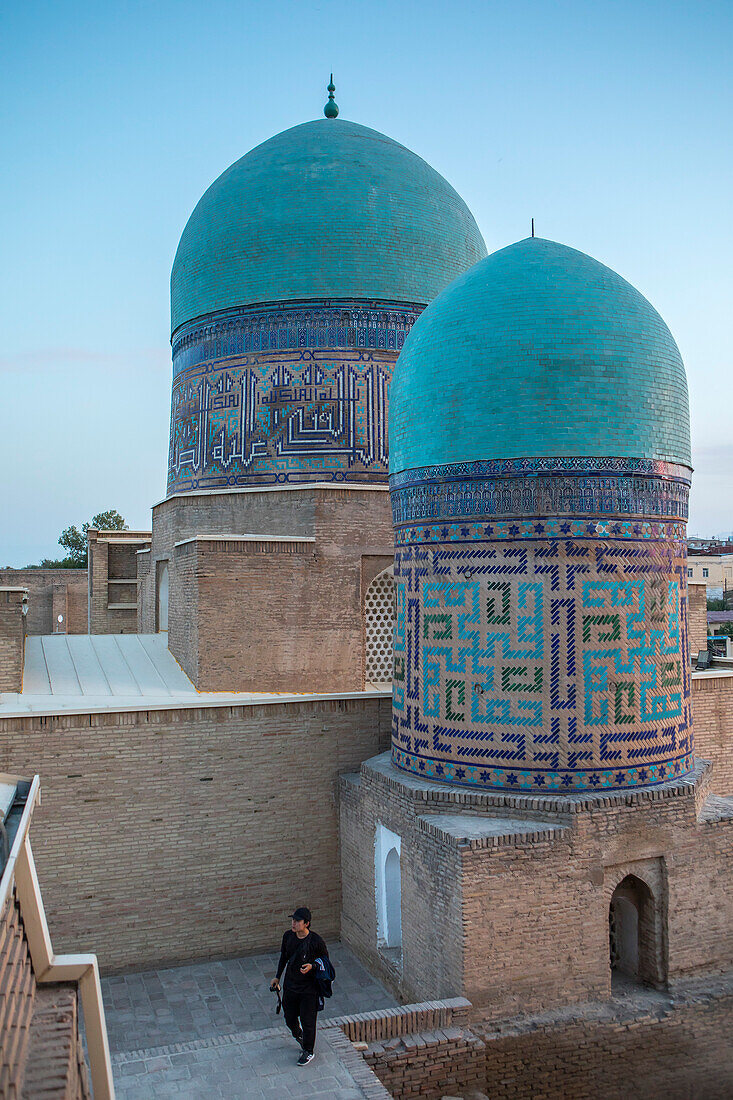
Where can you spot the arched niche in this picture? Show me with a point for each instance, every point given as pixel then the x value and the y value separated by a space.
pixel 161 597
pixel 388 889
pixel 635 933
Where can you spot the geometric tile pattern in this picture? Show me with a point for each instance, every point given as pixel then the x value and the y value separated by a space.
pixel 378 623
pixel 263 396
pixel 541 662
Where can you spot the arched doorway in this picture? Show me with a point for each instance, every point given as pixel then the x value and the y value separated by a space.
pixel 378 626
pixel 161 603
pixel 634 934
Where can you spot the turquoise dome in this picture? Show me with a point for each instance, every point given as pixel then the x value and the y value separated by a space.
pixel 538 350
pixel 328 209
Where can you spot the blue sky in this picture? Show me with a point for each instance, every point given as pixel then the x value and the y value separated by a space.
pixel 608 122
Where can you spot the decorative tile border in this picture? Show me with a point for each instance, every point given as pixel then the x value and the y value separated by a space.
pixel 444 494
pixel 503 779
pixel 539 528
pixel 513 467
pixel 280 325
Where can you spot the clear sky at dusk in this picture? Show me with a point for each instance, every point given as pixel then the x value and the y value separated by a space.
pixel 608 122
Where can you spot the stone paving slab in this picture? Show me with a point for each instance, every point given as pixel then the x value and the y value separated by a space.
pixel 257 1066
pixel 157 1007
pixel 206 1030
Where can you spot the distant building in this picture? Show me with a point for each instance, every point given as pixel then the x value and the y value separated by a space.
pixel 713 568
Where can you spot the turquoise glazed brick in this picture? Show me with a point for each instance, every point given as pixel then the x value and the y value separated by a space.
pixel 538 350
pixel 326 209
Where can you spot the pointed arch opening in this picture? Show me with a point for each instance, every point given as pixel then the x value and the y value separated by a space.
pixel 635 934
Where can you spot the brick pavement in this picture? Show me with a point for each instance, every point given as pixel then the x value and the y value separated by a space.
pixel 206 1030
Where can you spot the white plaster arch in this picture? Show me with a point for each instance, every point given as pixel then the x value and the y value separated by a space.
pixel 388 887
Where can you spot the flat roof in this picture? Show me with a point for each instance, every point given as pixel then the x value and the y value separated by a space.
pixel 96 673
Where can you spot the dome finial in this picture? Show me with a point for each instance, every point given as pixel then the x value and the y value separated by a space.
pixel 331 109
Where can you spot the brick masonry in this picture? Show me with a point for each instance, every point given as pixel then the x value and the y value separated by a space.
pixel 52 592
pixel 41 1053
pixel 113 580
pixel 677 1048
pixel 429 1064
pixel 642 1045
pixel 12 638
pixel 712 708
pixel 520 887
pixel 173 835
pixel 310 593
pixel 698 615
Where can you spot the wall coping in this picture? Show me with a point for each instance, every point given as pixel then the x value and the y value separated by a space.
pixel 715 673
pixel 36 709
pixel 301 487
pixel 388 1023
pixel 246 538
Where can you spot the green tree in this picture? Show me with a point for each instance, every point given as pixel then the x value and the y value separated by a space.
pixel 75 540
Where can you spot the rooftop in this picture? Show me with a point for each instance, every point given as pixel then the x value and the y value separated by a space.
pixel 89 673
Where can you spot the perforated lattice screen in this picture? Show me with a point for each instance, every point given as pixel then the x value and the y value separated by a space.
pixel 378 621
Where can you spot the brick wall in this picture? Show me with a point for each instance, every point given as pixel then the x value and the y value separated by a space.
pixel 113 580
pixel 523 915
pixel 17 995
pixel 712 710
pixel 12 638
pixel 310 594
pixel 697 605
pixel 655 1048
pixel 429 1064
pixel 43 586
pixel 643 1044
pixel 427 872
pixel 56 1068
pixel 173 835
pixel 41 1053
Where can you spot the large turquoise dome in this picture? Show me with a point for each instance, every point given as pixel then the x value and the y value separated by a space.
pixel 538 350
pixel 328 209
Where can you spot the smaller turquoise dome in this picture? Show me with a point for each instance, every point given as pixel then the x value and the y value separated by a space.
pixel 538 350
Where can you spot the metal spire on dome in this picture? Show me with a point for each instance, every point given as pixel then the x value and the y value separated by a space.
pixel 331 109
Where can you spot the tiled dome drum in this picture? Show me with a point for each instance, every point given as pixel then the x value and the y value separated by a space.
pixel 296 280
pixel 539 473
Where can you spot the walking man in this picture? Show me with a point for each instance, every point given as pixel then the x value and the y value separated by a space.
pixel 300 948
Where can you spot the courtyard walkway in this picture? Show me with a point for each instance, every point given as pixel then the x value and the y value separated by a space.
pixel 210 1030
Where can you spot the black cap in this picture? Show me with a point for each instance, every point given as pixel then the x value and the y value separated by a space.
pixel 301 913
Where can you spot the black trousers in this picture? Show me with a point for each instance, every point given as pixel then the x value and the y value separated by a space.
pixel 300 1011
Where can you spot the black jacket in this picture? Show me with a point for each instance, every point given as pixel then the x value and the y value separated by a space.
pixel 294 953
